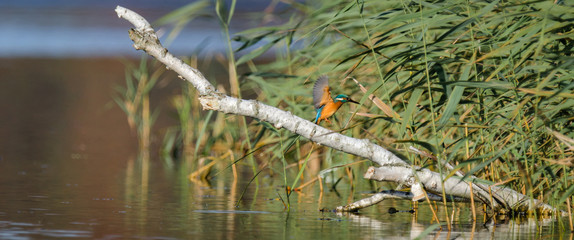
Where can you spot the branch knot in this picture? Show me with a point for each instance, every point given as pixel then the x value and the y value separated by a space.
pixel 210 102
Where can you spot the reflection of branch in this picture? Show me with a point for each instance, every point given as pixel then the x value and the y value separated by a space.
pixel 418 229
pixel 392 194
pixel 396 169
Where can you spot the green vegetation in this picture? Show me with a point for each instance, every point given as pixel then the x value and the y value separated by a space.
pixel 486 86
pixel 134 100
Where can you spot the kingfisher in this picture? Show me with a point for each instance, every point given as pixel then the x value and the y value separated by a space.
pixel 324 104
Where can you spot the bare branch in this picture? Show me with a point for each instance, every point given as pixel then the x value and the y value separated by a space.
pixel 454 186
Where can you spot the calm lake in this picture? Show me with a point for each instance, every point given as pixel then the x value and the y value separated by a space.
pixel 70 166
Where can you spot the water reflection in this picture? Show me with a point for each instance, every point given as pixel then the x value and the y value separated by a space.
pixel 12 230
pixel 472 230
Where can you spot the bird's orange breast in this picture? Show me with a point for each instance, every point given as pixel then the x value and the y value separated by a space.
pixel 328 110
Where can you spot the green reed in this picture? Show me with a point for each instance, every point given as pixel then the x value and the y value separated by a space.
pixel 134 100
pixel 487 86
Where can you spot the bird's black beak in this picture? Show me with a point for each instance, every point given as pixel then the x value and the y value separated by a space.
pixel 351 100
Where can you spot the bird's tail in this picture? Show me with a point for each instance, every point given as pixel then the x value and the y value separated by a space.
pixel 317 120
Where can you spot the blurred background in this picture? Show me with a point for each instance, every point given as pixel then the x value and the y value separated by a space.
pixel 59 64
pixel 91 29
pixel 61 60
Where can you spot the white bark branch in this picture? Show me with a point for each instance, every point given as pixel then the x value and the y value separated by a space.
pixel 392 167
pixel 455 187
